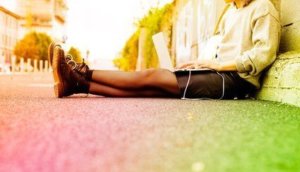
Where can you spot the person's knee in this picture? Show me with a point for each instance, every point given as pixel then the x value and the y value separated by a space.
pixel 146 74
pixel 148 77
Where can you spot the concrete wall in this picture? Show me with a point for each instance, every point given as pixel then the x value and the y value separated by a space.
pixel 282 81
pixel 290 18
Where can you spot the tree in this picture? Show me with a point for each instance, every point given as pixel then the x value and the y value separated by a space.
pixel 34 45
pixel 157 20
pixel 76 54
pixel 128 57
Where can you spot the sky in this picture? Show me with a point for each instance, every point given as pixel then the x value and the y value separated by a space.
pixel 102 27
pixel 10 4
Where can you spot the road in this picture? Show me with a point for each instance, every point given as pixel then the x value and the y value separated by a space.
pixel 86 133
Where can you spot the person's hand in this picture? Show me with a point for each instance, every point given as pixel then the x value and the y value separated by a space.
pixel 211 64
pixel 188 65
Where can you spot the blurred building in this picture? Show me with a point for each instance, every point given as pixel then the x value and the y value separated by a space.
pixel 47 16
pixel 18 17
pixel 9 22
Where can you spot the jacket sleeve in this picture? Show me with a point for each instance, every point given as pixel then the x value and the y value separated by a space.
pixel 265 38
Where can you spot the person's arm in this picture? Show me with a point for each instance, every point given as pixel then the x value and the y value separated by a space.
pixel 220 67
pixel 265 38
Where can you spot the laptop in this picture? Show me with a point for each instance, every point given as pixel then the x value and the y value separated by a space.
pixel 164 55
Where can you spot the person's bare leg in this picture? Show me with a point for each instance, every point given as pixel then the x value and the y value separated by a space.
pixel 151 78
pixel 108 91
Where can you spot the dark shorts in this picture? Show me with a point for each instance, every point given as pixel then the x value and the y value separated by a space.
pixel 212 85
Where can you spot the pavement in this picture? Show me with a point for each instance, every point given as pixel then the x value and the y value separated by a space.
pixel 86 133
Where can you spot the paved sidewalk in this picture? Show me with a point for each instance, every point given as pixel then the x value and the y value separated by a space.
pixel 39 133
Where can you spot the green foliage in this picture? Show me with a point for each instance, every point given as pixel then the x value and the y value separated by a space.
pixel 128 57
pixel 76 54
pixel 34 45
pixel 157 20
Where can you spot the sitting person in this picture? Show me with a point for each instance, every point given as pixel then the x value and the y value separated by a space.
pixel 250 34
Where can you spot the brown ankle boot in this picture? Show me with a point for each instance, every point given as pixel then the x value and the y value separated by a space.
pixel 81 68
pixel 51 51
pixel 67 81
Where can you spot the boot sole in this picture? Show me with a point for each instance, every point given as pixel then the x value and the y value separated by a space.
pixel 51 51
pixel 58 80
